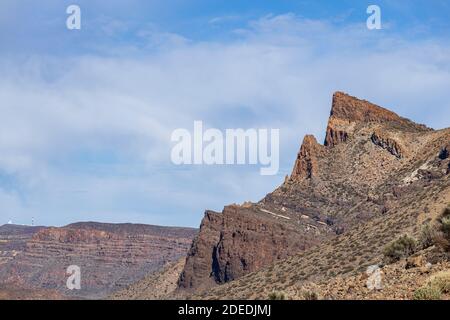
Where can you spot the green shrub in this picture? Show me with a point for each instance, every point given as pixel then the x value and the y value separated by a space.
pixel 427 293
pixel 401 248
pixel 277 295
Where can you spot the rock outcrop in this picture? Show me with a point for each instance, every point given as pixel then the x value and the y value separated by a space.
pixel 238 241
pixel 306 164
pixel 388 143
pixel 445 152
pixel 347 112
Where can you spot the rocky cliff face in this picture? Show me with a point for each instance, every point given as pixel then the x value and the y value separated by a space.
pixel 306 164
pixel 110 256
pixel 241 240
pixel 372 165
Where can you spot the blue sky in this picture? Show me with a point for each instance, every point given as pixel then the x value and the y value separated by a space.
pixel 87 115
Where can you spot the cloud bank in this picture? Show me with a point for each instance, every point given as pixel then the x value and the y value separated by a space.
pixel 87 136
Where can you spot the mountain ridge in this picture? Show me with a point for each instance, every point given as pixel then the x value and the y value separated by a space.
pixel 370 162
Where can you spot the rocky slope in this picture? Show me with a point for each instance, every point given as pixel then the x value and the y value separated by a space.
pixel 110 256
pixel 155 286
pixel 376 176
pixel 397 281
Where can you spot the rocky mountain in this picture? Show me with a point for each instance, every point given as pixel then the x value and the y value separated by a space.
pixel 376 176
pixel 110 256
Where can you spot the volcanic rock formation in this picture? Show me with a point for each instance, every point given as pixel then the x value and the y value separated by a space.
pixel 306 165
pixel 342 203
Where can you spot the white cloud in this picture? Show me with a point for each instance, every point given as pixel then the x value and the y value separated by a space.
pixel 88 138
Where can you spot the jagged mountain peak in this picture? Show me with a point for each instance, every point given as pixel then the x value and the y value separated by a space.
pixel 347 107
pixel 306 163
pixel 347 112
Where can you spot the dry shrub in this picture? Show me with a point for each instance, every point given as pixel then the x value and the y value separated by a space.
pixel 442 237
pixel 401 248
pixel 427 293
pixel 441 280
pixel 277 295
pixel 310 295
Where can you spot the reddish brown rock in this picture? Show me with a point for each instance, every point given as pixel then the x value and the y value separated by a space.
pixel 238 241
pixel 197 272
pixel 352 109
pixel 306 163
pixel 347 112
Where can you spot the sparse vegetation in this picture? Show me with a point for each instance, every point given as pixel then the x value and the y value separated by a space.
pixel 401 248
pixel 436 286
pixel 441 281
pixel 427 236
pixel 442 237
pixel 445 220
pixel 310 295
pixel 427 292
pixel 277 295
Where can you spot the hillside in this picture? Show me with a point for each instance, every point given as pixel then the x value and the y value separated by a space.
pixel 377 176
pixel 157 285
pixel 111 257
